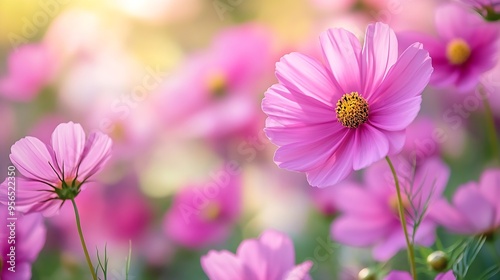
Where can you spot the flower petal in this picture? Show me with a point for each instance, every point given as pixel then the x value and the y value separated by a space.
pixel 68 142
pixel 300 272
pixel 279 252
pixel 399 95
pixel 33 160
pixel 357 201
pixel 96 153
pixel 222 265
pixel 342 50
pixel 398 275
pixel 371 146
pixel 380 52
pixel 337 167
pixel 448 216
pixel 305 76
pixel 356 231
pixel 474 207
pixel 489 186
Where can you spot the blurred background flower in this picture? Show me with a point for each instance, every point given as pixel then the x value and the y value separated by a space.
pixel 178 86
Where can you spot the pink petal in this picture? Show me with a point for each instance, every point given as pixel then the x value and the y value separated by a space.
pixel 305 76
pixel 33 159
pixel 68 142
pixel 449 217
pixel 96 153
pixel 31 233
pixel 489 186
pixel 252 254
pixel 222 266
pixel 357 201
pixel 342 51
pixel 300 272
pixel 396 102
pixel 356 231
pixel 446 276
pixel 454 21
pixel 398 275
pixel 337 167
pixel 474 206
pixel 285 108
pixel 312 145
pixel 430 181
pixel 279 252
pixel 371 146
pixel 380 52
pixel 390 246
pixel 396 141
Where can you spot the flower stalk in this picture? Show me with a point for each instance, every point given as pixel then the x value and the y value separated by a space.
pixel 87 257
pixel 402 218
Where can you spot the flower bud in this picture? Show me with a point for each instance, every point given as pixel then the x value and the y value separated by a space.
pixel 438 260
pixel 367 274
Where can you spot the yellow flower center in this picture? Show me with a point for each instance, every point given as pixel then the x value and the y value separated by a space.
pixel 393 203
pixel 217 84
pixel 212 211
pixel 352 110
pixel 457 51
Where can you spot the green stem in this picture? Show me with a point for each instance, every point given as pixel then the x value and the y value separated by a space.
pixel 409 245
pixel 492 133
pixel 89 262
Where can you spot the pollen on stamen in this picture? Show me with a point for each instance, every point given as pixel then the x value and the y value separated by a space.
pixel 352 110
pixel 458 51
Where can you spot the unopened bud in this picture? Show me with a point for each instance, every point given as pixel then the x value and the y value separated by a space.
pixel 437 260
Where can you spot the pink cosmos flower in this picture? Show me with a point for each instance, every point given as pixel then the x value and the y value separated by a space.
pixel 328 119
pixel 270 257
pixel 52 174
pixel 370 216
pixel 202 215
pixel 465 48
pixel 219 85
pixel 30 67
pixel 403 275
pixel 475 209
pixel 29 237
pixel 489 9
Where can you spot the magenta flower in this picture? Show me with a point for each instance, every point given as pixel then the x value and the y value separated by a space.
pixel 30 68
pixel 489 9
pixel 328 119
pixel 202 215
pixel 29 239
pixel 475 209
pixel 465 48
pixel 370 216
pixel 52 174
pixel 270 257
pixel 220 85
pixel 403 275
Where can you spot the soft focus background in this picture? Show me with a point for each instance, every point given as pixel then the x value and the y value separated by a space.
pixel 178 84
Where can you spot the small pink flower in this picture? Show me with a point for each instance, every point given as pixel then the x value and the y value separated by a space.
pixel 270 257
pixel 465 48
pixel 202 215
pixel 370 215
pixel 219 85
pixel 328 119
pixel 403 275
pixel 30 67
pixel 52 174
pixel 29 237
pixel 475 209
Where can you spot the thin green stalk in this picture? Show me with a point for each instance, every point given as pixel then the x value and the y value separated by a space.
pixel 409 245
pixel 89 262
pixel 492 133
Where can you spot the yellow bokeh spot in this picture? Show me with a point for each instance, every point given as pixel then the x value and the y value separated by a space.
pixel 393 203
pixel 458 51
